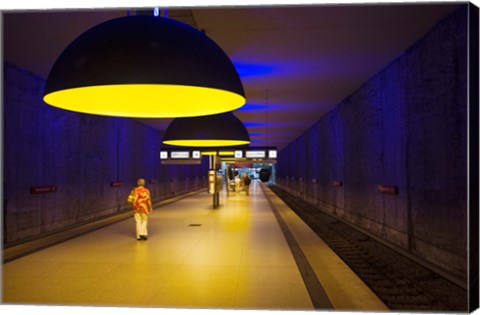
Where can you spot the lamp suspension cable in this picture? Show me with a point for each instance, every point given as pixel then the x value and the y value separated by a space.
pixel 159 12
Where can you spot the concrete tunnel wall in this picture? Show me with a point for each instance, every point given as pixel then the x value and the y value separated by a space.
pixel 405 127
pixel 80 154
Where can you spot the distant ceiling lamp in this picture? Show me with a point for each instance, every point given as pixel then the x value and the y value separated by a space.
pixel 207 131
pixel 144 66
pixel 226 153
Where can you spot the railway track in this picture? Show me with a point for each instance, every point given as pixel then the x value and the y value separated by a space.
pixel 401 283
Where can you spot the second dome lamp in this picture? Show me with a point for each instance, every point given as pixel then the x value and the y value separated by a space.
pixel 144 66
pixel 207 131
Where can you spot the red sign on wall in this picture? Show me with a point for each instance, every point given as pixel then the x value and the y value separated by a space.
pixel 240 165
pixel 42 189
pixel 389 190
pixel 337 183
pixel 116 184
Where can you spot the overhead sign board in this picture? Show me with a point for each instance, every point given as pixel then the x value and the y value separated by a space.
pixel 196 154
pixel 255 154
pixel 180 155
pixel 266 154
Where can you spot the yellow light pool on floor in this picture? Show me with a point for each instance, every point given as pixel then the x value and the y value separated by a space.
pixel 145 100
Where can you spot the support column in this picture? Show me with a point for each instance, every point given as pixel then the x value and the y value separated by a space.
pixel 213 187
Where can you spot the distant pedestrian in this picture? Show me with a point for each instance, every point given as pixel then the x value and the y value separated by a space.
pixel 237 183
pixel 246 183
pixel 142 207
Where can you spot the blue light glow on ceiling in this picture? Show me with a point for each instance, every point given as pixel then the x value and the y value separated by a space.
pixel 251 107
pixel 253 124
pixel 247 70
pixel 256 135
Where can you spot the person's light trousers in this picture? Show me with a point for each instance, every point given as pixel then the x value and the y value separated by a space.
pixel 141 227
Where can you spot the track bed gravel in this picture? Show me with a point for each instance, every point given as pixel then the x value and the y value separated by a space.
pixel 401 283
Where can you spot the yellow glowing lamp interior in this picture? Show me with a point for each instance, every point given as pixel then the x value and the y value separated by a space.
pixel 226 153
pixel 205 143
pixel 146 100
pixel 209 153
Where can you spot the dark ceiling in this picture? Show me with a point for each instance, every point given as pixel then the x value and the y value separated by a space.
pixel 296 62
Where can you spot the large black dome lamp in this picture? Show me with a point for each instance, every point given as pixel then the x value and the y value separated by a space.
pixel 144 66
pixel 207 131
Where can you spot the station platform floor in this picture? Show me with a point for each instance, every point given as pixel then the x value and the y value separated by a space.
pixel 253 252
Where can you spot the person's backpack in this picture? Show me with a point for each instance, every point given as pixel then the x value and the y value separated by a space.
pixel 247 181
pixel 131 197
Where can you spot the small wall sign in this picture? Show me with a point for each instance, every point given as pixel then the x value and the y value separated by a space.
pixel 43 189
pixel 337 183
pixel 389 190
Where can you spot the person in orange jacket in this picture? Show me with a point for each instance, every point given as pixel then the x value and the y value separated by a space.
pixel 142 207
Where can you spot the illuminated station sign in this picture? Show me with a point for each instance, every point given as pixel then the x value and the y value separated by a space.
pixel 172 156
pixel 180 155
pixel 255 154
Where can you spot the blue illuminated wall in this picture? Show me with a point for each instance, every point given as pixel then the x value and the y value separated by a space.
pixel 80 154
pixel 405 127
